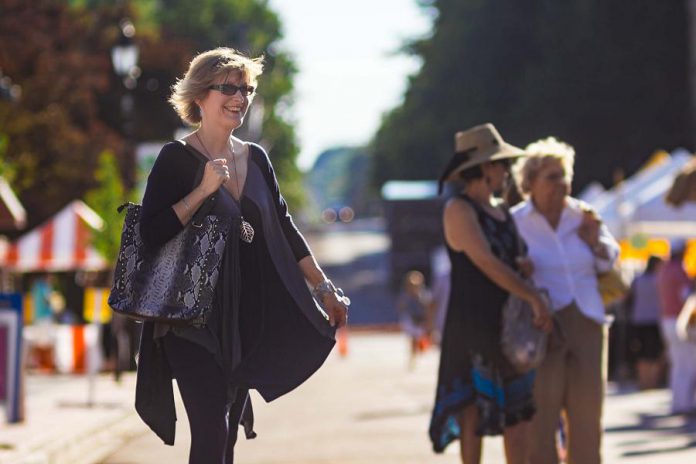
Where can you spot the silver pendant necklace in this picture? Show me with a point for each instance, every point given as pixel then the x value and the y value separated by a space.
pixel 246 231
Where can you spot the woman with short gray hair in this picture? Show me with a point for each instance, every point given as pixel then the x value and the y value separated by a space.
pixel 568 246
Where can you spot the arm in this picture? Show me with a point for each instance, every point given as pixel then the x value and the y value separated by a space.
pixel 337 311
pixel 597 236
pixel 215 174
pixel 158 221
pixel 295 239
pixel 167 204
pixel 463 233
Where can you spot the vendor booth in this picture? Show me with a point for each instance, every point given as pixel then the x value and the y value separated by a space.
pixel 638 215
pixel 60 245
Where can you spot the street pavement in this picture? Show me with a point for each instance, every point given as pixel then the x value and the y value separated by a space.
pixel 365 408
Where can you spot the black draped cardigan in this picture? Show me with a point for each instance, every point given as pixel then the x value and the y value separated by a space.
pixel 173 177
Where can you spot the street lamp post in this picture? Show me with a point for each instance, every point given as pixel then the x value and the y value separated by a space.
pixel 9 91
pixel 124 57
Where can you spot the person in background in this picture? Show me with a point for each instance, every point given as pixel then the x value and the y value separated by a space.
pixel 674 286
pixel 442 268
pixel 568 246
pixel 478 391
pixel 41 291
pixel 41 337
pixel 413 305
pixel 644 337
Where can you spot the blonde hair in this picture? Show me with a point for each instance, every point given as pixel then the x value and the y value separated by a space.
pixel 204 70
pixel 538 154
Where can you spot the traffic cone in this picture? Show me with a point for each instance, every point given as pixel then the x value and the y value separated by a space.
pixel 342 341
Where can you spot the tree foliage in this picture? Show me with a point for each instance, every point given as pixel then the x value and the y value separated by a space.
pixel 54 131
pixel 70 110
pixel 609 77
pixel 105 199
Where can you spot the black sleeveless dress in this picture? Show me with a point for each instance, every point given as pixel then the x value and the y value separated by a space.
pixel 472 366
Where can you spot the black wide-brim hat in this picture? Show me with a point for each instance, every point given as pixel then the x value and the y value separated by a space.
pixel 475 146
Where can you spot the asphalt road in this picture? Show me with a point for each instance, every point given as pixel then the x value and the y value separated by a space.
pixel 368 408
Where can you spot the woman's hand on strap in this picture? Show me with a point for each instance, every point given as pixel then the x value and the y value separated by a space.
pixel 542 312
pixel 589 228
pixel 525 266
pixel 216 173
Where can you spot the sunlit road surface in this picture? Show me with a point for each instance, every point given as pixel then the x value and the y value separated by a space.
pixel 340 244
pixel 355 256
pixel 368 408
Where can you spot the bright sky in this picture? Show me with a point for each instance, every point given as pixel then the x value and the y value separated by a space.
pixel 349 71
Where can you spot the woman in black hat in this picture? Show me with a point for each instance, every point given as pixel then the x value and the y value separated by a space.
pixel 478 391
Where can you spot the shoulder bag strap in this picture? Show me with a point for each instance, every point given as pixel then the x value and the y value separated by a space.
pixel 208 203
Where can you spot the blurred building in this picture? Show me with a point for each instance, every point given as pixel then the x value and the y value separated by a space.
pixel 413 211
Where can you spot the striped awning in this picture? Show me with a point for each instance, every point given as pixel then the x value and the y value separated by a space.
pixel 60 244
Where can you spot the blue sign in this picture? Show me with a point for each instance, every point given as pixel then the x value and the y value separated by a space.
pixel 11 322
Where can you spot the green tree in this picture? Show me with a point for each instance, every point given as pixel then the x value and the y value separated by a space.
pixel 7 170
pixel 59 52
pixel 606 76
pixel 54 131
pixel 105 199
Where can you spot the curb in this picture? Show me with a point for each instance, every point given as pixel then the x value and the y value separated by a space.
pixel 85 447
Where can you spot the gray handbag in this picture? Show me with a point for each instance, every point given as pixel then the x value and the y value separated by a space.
pixel 175 283
pixel 523 344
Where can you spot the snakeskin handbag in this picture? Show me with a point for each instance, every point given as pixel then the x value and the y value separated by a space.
pixel 175 283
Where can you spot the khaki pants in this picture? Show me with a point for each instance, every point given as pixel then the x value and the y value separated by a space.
pixel 571 378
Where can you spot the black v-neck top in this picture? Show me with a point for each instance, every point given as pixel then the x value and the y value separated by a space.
pixel 264 329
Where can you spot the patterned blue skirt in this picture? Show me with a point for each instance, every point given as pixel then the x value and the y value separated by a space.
pixel 503 399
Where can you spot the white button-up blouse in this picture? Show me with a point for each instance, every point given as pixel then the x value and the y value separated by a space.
pixel 564 264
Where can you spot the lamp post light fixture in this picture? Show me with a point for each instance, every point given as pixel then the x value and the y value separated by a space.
pixel 124 55
pixel 9 91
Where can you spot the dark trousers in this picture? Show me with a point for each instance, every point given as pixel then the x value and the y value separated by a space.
pixel 213 416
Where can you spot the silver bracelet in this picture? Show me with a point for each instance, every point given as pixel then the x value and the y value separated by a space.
pixel 186 204
pixel 322 288
pixel 326 287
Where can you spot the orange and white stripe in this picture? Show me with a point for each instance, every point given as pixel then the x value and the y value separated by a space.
pixel 60 244
pixel 77 349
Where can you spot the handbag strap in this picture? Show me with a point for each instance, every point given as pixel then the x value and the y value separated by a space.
pixel 208 203
pixel 521 245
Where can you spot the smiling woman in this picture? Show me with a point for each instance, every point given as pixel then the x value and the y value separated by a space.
pixel 264 331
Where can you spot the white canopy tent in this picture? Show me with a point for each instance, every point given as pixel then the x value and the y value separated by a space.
pixel 637 205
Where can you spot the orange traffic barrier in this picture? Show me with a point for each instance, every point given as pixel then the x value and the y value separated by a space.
pixel 342 341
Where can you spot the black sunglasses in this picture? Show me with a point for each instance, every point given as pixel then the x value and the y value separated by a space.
pixel 231 89
pixel 507 162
